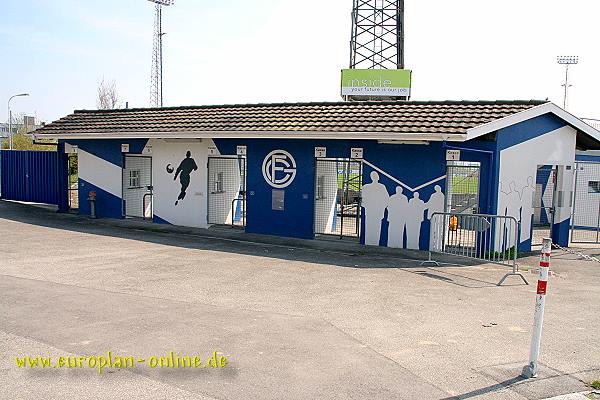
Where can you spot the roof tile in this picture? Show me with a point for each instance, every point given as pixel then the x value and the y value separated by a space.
pixel 408 117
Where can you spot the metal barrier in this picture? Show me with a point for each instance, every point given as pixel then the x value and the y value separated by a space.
pixel 151 195
pixel 242 211
pixel 489 238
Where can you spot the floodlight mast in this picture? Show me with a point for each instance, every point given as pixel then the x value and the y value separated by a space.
pixel 156 83
pixel 566 61
pixel 377 37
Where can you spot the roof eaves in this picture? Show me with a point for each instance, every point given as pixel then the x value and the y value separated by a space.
pixel 366 135
pixel 533 112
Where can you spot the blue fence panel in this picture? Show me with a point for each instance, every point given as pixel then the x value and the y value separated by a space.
pixel 29 176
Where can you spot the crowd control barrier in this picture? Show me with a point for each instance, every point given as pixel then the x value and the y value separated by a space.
pixel 488 238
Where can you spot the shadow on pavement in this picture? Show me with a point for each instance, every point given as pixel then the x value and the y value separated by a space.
pixel 331 252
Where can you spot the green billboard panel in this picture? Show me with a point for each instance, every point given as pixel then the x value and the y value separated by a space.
pixel 376 82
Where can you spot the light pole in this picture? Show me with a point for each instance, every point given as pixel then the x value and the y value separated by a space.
pixel 566 61
pixel 10 135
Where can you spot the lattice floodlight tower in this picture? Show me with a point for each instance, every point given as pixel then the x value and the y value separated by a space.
pixel 377 40
pixel 156 86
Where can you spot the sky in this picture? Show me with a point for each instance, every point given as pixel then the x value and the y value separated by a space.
pixel 260 51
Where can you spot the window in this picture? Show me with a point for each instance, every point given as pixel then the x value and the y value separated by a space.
pixel 134 178
pixel 320 187
pixel 593 186
pixel 218 182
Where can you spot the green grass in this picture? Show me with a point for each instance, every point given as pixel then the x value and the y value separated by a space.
pixel 508 254
pixel 354 179
pixel 596 384
pixel 460 184
pixel 465 184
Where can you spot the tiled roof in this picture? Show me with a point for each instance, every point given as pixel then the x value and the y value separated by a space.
pixel 441 117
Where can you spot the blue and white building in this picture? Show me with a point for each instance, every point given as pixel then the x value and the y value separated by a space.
pixel 375 171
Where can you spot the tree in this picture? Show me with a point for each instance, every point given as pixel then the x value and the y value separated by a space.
pixel 22 140
pixel 108 98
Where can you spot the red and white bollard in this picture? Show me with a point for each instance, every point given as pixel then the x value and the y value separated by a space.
pixel 531 370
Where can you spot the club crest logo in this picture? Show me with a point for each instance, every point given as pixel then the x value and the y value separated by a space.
pixel 279 169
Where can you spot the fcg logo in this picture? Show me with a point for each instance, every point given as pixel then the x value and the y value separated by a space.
pixel 279 168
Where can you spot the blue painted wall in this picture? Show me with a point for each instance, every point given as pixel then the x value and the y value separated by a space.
pixel 526 130
pixel 411 164
pixel 63 178
pixel 110 149
pixel 107 204
pixel 486 153
pixel 588 157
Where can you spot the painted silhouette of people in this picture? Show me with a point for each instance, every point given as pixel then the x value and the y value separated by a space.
pixel 397 215
pixel 513 209
pixel 183 171
pixel 375 199
pixel 503 200
pixel 527 196
pixel 436 202
pixel 416 208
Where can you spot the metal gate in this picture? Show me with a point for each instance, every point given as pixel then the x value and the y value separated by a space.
pixel 227 190
pixel 585 220
pixel 462 187
pixel 30 176
pixel 73 181
pixel 543 203
pixel 137 186
pixel 338 195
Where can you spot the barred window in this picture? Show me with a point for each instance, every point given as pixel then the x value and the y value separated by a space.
pixel 320 187
pixel 218 182
pixel 593 186
pixel 134 178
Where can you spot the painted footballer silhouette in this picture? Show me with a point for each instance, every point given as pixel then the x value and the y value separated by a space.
pixel 185 169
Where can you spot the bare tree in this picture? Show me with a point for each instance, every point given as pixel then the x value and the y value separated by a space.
pixel 107 95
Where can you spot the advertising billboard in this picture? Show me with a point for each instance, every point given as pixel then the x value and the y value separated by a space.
pixel 376 82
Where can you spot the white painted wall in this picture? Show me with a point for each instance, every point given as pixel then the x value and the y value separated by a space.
pixel 518 168
pixel 101 173
pixel 190 211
